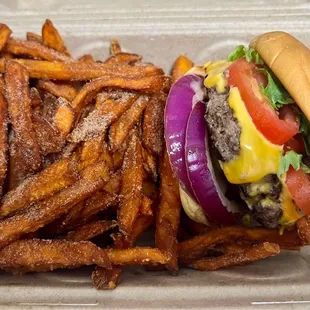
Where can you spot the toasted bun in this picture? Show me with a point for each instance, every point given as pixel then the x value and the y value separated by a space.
pixel 289 60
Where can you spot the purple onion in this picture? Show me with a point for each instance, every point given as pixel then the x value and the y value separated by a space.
pixel 184 94
pixel 201 173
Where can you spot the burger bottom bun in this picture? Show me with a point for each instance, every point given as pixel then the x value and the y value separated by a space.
pixel 193 209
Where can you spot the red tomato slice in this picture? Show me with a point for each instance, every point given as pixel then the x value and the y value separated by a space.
pixel 243 74
pixel 298 184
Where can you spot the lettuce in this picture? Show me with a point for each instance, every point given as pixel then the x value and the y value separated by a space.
pixel 291 158
pixel 249 54
pixel 274 92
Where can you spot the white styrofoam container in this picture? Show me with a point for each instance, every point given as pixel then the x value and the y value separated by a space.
pixel 161 30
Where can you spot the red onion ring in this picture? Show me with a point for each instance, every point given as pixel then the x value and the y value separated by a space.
pixel 200 170
pixel 183 96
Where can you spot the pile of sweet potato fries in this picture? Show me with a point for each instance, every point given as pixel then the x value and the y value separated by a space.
pixel 82 158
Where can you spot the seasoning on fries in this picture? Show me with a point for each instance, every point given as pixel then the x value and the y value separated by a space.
pixel 250 254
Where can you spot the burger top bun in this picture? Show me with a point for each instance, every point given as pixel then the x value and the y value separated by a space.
pixel 289 60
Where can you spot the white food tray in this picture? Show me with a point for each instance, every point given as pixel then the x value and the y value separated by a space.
pixel 160 31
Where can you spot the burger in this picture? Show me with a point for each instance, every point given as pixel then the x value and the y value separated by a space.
pixel 238 135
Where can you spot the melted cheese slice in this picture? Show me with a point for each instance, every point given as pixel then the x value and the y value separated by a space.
pixel 215 75
pixel 258 157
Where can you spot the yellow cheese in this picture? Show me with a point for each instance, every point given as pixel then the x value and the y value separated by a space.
pixel 290 211
pixel 258 157
pixel 215 75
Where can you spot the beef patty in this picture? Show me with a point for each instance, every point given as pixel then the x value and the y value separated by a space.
pixel 263 198
pixel 223 126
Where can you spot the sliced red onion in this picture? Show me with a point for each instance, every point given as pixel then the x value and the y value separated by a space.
pixel 183 96
pixel 201 174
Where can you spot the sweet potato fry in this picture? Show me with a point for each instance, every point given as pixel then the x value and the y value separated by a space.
pixel 115 47
pixel 35 98
pixel 34 37
pixel 87 58
pixel 150 84
pixel 59 112
pixel 251 254
pixel 227 248
pixel 114 185
pixel 34 50
pixel 181 65
pixel 48 137
pixel 50 105
pixel 3 140
pixel 59 90
pixel 24 148
pixel 153 124
pixel 53 254
pixel 44 212
pixel 195 247
pixel 52 38
pixel 91 151
pixel 132 180
pixel 121 128
pixel 106 279
pixel 49 181
pixel 127 58
pixel 97 122
pixel 146 206
pixel 78 70
pixel 94 150
pixel 168 214
pixel 5 32
pixel 44 255
pixel 137 256
pixel 83 212
pixel 90 230
pixel 150 164
pixel 303 229
pixel 64 117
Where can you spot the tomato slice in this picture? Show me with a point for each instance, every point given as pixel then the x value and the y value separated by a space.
pixel 243 74
pixel 298 184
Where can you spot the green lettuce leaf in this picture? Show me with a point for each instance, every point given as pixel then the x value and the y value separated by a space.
pixel 291 158
pixel 238 52
pixel 274 92
pixel 249 54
